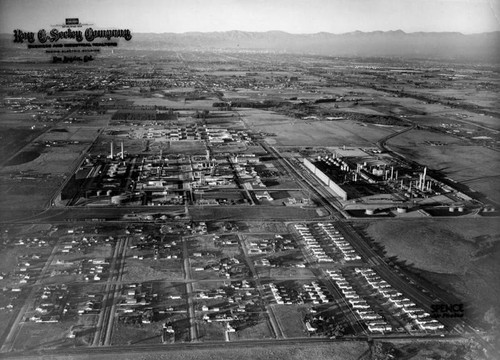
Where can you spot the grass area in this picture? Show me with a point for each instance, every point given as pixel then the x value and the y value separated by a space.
pixel 269 227
pixel 213 331
pixel 296 132
pixel 259 331
pixel 136 334
pixel 43 336
pixel 251 213
pixel 426 350
pixel 332 351
pixel 291 272
pixel 459 255
pixel 290 319
pixel 148 269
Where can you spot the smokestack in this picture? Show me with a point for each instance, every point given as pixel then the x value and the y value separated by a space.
pixel 122 151
pixel 392 172
pixel 423 177
pixel 111 151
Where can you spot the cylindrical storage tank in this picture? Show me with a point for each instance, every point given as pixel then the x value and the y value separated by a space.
pixel 401 210
pixel 369 211
pixel 109 192
pixel 451 209
pixel 460 209
pixel 99 192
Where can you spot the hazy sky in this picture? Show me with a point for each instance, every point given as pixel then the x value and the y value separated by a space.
pixel 294 16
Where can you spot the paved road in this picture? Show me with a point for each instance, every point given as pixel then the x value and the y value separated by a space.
pixel 277 330
pixel 104 322
pixel 193 333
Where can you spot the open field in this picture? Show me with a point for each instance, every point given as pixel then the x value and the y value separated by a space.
pixel 41 338
pixel 336 351
pixel 461 256
pixel 290 318
pixel 289 131
pixel 251 213
pixel 43 166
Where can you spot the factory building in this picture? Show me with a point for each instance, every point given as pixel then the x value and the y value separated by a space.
pixel 326 179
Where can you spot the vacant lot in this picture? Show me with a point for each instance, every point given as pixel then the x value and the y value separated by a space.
pixel 290 319
pixel 149 269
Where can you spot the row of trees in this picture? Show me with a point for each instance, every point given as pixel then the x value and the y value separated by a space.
pixel 145 115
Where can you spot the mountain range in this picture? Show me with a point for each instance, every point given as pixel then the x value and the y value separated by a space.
pixel 449 45
pixel 440 45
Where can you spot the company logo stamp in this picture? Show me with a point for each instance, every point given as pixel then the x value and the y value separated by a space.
pixel 70 38
pixel 439 311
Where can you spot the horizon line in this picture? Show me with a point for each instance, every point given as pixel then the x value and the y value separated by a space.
pixel 290 33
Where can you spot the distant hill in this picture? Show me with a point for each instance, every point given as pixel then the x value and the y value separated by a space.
pixel 441 45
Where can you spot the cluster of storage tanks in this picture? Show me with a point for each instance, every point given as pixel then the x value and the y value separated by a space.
pixel 334 161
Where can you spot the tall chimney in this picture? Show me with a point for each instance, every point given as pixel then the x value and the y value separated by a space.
pixel 122 151
pixel 423 177
pixel 111 150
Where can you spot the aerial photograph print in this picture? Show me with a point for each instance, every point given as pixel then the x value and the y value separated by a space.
pixel 250 179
